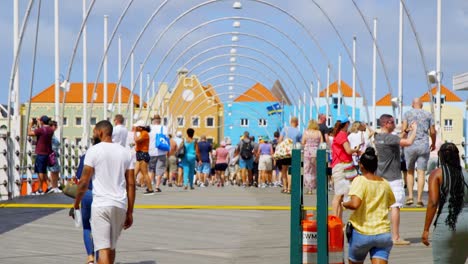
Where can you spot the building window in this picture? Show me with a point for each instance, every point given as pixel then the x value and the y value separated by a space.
pixel 244 122
pixel 165 121
pixel 195 121
pixel 210 122
pixel 180 121
pixel 262 122
pixel 93 121
pixel 442 99
pixel 448 125
pixel 65 121
pixel 77 141
pixel 210 140
pixel 78 121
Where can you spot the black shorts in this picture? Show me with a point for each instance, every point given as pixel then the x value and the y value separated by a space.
pixel 40 165
pixel 221 166
pixel 140 155
pixel 283 162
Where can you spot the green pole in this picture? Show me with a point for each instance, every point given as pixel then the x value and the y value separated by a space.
pixel 322 207
pixel 296 208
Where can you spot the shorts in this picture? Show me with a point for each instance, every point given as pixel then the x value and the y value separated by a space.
pixel 56 167
pixel 340 178
pixel 398 190
pixel 157 165
pixel 285 162
pixel 417 157
pixel 142 156
pixel 232 170
pixel 106 224
pixel 265 163
pixel 220 166
pixel 246 164
pixel 378 246
pixel 172 164
pixel 40 165
pixel 204 168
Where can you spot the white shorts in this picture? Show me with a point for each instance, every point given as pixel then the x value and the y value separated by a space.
pixel 265 163
pixel 398 189
pixel 340 182
pixel 106 225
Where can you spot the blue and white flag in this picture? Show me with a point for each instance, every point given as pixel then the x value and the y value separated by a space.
pixel 274 109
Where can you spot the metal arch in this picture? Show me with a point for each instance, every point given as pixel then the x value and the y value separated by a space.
pixel 236 65
pixel 274 45
pixel 229 18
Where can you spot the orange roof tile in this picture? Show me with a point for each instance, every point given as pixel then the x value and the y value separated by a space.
pixel 75 95
pixel 449 95
pixel 346 90
pixel 210 92
pixel 258 93
pixel 385 101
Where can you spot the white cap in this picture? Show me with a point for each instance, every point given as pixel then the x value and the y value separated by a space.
pixel 179 134
pixel 139 123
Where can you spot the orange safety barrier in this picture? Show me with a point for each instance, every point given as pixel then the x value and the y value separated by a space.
pixel 335 240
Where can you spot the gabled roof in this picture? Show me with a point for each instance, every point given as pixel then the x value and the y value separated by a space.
pixel 346 90
pixel 258 93
pixel 278 91
pixel 210 92
pixel 449 95
pixel 75 95
pixel 385 101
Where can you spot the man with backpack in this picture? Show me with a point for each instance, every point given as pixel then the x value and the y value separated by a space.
pixel 158 147
pixel 245 149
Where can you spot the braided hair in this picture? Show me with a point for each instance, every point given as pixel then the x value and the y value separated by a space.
pixel 453 183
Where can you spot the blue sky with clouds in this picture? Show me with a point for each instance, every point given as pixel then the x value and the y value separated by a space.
pixel 294 52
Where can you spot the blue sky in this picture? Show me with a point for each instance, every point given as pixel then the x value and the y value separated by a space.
pixel 281 58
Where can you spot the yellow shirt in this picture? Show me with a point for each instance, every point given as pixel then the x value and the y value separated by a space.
pixel 371 218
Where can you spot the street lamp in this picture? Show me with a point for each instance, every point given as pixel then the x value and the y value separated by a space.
pixel 236 24
pixel 231 78
pixel 232 69
pixel 233 59
pixel 230 89
pixel 233 51
pixel 235 38
pixel 237 5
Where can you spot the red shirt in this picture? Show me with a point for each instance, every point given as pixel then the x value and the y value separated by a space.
pixel 44 140
pixel 339 154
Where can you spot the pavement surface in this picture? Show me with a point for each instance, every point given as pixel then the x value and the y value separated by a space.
pixel 215 225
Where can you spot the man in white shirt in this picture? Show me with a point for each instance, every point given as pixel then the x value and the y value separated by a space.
pixel 111 168
pixel 119 132
pixel 157 165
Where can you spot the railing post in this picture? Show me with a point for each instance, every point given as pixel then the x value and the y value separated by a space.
pixel 296 208
pixel 322 207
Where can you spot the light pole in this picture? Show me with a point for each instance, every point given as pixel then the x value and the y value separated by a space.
pixel 438 70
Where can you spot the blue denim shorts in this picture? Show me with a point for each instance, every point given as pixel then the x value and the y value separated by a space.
pixel 246 164
pixel 204 168
pixel 378 246
pixel 40 166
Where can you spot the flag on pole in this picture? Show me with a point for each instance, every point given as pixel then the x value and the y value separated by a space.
pixel 274 109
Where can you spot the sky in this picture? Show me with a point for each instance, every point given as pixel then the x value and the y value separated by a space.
pixel 292 41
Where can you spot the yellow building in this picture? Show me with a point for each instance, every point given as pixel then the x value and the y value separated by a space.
pixel 190 105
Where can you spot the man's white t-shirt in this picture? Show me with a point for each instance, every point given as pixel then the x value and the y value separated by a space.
pixel 110 162
pixel 358 139
pixel 120 134
pixel 156 129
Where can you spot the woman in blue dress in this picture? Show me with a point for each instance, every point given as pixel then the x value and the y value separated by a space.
pixel 189 158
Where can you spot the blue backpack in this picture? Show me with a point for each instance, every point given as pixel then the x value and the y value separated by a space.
pixel 162 141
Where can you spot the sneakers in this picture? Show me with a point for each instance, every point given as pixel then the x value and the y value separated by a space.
pixel 401 242
pixel 148 192
pixel 57 190
pixel 202 185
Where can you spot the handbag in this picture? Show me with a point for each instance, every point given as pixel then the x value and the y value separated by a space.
pixel 70 189
pixel 52 159
pixel 349 230
pixel 180 153
pixel 162 141
pixel 283 149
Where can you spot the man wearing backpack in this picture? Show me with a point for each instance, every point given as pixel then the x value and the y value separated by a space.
pixel 245 150
pixel 157 164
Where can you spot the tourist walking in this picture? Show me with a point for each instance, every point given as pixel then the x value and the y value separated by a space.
pixel 358 138
pixel 293 133
pixel 311 141
pixel 189 158
pixel 233 165
pixel 370 198
pixel 44 133
pixel 111 169
pixel 142 156
pixel 448 201
pixel 265 162
pixel 55 168
pixel 417 155
pixel 245 150
pixel 120 132
pixel 221 155
pixel 204 163
pixel 388 148
pixel 158 155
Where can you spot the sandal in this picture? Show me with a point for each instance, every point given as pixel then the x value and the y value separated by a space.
pixel 409 201
pixel 157 190
pixel 420 204
pixel 284 191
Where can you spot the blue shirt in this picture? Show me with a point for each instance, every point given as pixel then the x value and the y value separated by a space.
pixel 205 148
pixel 79 171
pixel 292 133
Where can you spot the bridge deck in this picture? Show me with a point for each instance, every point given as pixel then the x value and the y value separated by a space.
pixel 212 234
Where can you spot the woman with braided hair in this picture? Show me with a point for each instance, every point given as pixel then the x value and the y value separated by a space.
pixel 448 196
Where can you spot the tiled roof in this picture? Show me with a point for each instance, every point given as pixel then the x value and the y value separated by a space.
pixel 75 95
pixel 258 93
pixel 449 95
pixel 346 90
pixel 210 92
pixel 385 101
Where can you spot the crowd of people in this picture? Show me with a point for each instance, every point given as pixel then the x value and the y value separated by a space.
pixel 368 172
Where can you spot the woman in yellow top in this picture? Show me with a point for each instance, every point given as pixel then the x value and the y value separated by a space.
pixel 141 147
pixel 371 197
